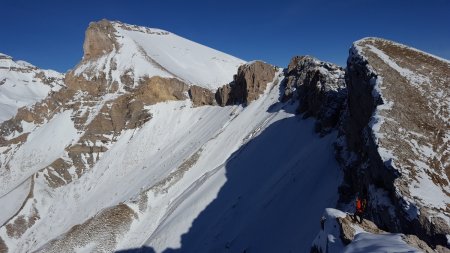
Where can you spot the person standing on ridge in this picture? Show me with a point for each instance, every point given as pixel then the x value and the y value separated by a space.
pixel 361 204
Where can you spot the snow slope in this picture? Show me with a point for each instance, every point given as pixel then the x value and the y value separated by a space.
pixel 22 84
pixel 141 51
pixel 186 171
pixel 190 61
pixel 256 198
pixel 44 145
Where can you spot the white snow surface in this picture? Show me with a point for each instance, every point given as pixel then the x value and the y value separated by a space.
pixel 43 146
pixel 382 243
pixel 328 239
pixel 20 86
pixel 261 181
pixel 153 52
pixel 12 201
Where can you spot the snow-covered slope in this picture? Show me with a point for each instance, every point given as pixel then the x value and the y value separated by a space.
pixel 185 171
pixel 119 49
pixel 22 84
pixel 121 158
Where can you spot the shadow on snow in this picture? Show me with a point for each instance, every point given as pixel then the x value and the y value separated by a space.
pixel 277 187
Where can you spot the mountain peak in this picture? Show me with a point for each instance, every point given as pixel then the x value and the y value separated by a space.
pixel 117 49
pixel 99 39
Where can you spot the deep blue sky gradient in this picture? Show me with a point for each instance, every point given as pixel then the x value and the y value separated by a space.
pixel 50 33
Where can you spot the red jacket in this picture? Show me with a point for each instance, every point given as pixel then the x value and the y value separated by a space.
pixel 360 205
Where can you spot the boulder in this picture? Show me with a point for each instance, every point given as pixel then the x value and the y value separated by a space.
pixel 201 96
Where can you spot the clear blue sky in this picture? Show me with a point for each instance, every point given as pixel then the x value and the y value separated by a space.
pixel 50 33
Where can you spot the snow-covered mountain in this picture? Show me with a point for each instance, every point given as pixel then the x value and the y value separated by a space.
pixel 126 53
pixel 154 143
pixel 22 84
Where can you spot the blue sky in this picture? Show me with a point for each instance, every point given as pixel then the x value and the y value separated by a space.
pixel 50 34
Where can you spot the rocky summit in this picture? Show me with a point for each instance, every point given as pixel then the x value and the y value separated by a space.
pixel 155 143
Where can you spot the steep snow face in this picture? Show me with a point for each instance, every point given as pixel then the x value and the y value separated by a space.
pixel 411 125
pixel 22 84
pixel 136 52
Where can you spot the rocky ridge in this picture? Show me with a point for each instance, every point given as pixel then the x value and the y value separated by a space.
pixel 393 140
pixel 320 89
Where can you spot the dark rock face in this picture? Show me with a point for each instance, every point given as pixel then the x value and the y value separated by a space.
pixel 319 87
pixel 250 82
pixel 358 152
pixel 201 96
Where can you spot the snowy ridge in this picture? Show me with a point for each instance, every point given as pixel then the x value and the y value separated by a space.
pixel 23 84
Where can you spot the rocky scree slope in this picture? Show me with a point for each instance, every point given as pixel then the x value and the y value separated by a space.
pixel 394 138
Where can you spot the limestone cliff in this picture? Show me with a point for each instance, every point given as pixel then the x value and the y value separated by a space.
pixel 250 81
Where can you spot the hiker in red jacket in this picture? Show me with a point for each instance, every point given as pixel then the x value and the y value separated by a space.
pixel 361 204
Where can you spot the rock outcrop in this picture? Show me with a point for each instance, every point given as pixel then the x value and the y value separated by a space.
pixel 319 87
pixel 99 39
pixel 250 82
pixel 3 247
pixel 392 137
pixel 106 227
pixel 201 96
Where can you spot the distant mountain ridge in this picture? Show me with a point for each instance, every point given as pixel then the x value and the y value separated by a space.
pixel 22 84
